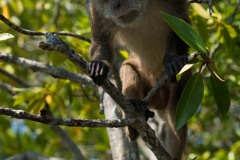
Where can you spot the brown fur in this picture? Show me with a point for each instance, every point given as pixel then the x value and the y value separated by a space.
pixel 148 38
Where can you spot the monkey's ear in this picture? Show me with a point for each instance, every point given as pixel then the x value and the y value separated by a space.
pixel 98 71
pixel 173 64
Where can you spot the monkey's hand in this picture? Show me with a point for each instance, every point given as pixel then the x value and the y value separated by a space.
pixel 173 64
pixel 98 71
pixel 140 106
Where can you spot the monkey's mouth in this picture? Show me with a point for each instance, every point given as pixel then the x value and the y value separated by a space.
pixel 129 17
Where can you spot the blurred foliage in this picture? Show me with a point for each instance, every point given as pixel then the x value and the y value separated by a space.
pixel 66 99
pixel 211 137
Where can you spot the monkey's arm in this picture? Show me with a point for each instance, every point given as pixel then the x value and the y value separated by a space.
pixel 101 58
pixel 101 51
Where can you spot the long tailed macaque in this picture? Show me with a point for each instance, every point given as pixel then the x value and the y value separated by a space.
pixel 154 49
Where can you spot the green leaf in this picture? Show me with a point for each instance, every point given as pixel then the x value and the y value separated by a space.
pixel 27 94
pixel 5 36
pixel 185 32
pixel 190 100
pixel 220 93
pixel 231 30
pixel 35 105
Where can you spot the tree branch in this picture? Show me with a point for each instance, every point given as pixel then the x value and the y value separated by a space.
pixel 71 122
pixel 53 71
pixel 54 43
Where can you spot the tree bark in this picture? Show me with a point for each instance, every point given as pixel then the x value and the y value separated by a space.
pixel 121 146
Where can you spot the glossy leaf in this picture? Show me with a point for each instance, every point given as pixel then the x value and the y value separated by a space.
pixel 221 94
pixel 185 32
pixel 190 100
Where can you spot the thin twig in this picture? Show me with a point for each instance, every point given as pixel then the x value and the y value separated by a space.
pixel 34 33
pixel 13 77
pixel 73 35
pixel 55 15
pixel 233 15
pixel 20 30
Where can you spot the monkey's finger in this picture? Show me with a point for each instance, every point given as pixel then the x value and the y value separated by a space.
pixel 92 71
pixel 138 104
pixel 177 66
pixel 97 68
pixel 181 62
pixel 104 71
pixel 89 68
pixel 169 71
pixel 103 68
pixel 184 61
pixel 92 68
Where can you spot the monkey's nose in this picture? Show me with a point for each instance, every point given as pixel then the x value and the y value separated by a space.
pixel 117 6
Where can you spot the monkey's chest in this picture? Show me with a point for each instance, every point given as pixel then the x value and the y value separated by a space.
pixel 146 44
pixel 147 39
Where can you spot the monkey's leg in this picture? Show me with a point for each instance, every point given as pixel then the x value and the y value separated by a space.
pixel 132 87
pixel 175 140
pixel 132 81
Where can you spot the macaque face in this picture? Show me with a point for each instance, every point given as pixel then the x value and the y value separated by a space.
pixel 122 12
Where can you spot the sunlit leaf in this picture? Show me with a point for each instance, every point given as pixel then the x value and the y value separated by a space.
pixel 124 53
pixel 231 30
pixel 185 68
pixel 201 11
pixel 185 32
pixel 221 94
pixel 5 36
pixel 190 100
